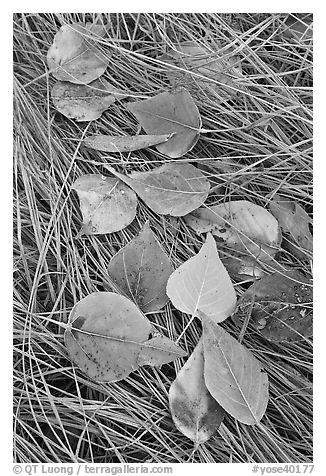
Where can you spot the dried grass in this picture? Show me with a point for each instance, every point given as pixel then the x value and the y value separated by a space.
pixel 61 415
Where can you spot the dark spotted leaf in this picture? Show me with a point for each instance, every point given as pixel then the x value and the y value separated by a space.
pixel 107 204
pixel 194 411
pixel 141 269
pixel 170 113
pixel 280 305
pixel 84 102
pixel 172 189
pixel 74 56
pixel 125 143
pixel 233 376
pixel 108 337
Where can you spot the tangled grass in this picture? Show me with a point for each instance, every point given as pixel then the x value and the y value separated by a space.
pixel 263 145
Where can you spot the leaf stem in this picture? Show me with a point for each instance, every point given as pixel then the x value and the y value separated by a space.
pixel 207 131
pixel 185 329
pixel 60 324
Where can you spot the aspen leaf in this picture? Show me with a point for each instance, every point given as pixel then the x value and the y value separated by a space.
pixel 170 113
pixel 108 337
pixel 203 284
pixel 158 350
pixel 125 143
pixel 233 376
pixel 84 102
pixel 241 225
pixel 202 66
pixel 74 56
pixel 280 305
pixel 172 189
pixel 294 222
pixel 194 411
pixel 106 203
pixel 141 269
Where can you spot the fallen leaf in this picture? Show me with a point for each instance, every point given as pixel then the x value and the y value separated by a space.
pixel 194 411
pixel 141 269
pixel 84 102
pixel 233 376
pixel 280 306
pixel 201 66
pixel 241 225
pixel 125 143
pixel 106 203
pixel 158 351
pixel 170 113
pixel 294 222
pixel 74 56
pixel 108 337
pixel 203 284
pixel 172 189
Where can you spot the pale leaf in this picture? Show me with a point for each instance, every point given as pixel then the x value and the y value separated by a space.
pixel 233 376
pixel 241 225
pixel 84 102
pixel 74 56
pixel 107 204
pixel 203 284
